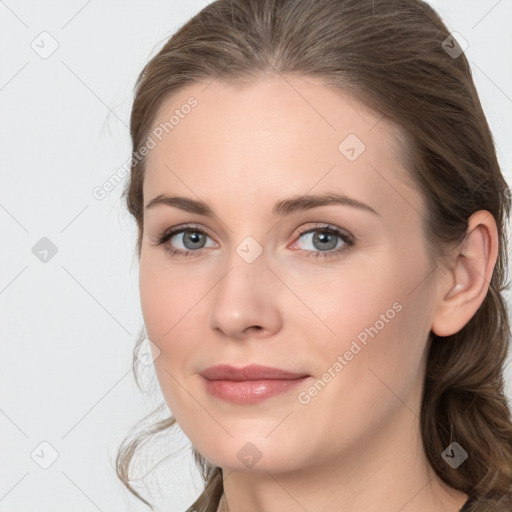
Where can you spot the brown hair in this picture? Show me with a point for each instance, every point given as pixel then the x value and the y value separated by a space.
pixel 393 55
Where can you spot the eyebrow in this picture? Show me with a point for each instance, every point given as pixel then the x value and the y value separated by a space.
pixel 281 208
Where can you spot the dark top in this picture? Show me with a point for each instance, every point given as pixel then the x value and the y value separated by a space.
pixel 468 503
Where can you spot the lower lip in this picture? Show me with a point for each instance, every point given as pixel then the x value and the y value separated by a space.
pixel 250 391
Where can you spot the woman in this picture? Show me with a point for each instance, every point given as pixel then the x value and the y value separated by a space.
pixel 321 232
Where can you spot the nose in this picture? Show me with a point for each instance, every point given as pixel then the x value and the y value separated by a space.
pixel 246 301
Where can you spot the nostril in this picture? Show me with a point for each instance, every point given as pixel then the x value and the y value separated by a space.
pixel 257 328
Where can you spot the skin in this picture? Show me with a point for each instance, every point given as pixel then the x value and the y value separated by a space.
pixel 356 445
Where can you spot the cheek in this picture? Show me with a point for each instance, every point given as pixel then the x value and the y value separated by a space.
pixel 349 300
pixel 164 307
pixel 381 293
pixel 154 303
pixel 380 317
pixel 173 307
pixel 166 297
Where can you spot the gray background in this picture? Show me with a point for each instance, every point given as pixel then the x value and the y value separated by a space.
pixel 69 323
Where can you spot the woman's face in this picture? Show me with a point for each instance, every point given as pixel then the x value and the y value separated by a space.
pixel 337 291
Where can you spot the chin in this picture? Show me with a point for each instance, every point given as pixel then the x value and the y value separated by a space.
pixel 252 456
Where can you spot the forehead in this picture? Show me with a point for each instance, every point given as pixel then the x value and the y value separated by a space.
pixel 274 132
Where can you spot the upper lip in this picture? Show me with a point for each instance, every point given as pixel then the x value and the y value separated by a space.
pixel 251 372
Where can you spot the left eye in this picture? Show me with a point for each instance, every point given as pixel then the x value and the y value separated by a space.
pixel 325 239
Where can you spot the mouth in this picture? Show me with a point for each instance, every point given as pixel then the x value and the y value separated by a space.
pixel 251 384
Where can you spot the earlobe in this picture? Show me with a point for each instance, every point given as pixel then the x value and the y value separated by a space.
pixel 463 289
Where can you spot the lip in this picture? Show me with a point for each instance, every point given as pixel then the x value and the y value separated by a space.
pixel 251 372
pixel 251 384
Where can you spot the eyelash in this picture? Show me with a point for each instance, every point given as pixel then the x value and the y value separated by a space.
pixel 345 236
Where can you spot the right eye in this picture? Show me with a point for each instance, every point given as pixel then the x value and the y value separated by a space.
pixel 191 238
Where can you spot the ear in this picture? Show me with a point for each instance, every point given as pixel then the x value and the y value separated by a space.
pixel 463 288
